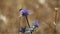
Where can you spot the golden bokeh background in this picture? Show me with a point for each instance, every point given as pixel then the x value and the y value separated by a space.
pixel 42 10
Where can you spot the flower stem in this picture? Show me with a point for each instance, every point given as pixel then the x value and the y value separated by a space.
pixel 27 21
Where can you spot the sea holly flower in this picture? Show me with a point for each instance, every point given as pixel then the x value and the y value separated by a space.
pixel 36 24
pixel 30 29
pixel 24 12
pixel 23 29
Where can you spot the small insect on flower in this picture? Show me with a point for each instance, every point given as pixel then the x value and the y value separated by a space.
pixel 24 12
pixel 23 30
pixel 36 24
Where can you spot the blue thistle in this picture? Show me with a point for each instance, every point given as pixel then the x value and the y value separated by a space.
pixel 23 30
pixel 24 12
pixel 36 24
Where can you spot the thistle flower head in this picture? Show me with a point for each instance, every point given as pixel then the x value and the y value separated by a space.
pixel 36 24
pixel 25 12
pixel 23 30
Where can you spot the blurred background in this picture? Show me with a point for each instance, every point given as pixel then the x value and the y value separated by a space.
pixel 47 12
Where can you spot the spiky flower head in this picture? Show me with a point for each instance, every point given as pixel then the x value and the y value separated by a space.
pixel 36 24
pixel 23 29
pixel 24 12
